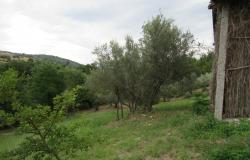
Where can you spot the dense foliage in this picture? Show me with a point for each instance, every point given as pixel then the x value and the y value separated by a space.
pixel 8 97
pixel 47 138
pixel 37 83
pixel 160 64
pixel 36 96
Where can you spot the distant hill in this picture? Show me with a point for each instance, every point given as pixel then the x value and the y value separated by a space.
pixel 6 56
pixel 55 59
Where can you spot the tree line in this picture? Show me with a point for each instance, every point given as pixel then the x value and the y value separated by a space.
pixel 39 82
pixel 36 96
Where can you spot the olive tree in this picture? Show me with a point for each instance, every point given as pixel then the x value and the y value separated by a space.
pixel 132 68
pixel 109 74
pixel 163 47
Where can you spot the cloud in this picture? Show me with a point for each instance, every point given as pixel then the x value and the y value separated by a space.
pixel 72 28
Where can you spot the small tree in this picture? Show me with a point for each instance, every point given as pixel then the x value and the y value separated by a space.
pixel 47 139
pixel 132 70
pixel 110 74
pixel 164 47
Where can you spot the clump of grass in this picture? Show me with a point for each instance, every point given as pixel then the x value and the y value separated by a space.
pixel 208 127
pixel 235 149
pixel 220 140
pixel 206 124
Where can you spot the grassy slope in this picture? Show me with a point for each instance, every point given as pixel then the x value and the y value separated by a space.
pixel 170 132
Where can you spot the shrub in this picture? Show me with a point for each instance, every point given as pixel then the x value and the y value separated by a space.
pixel 230 152
pixel 67 100
pixel 201 105
pixel 46 137
pixel 77 98
pixel 187 95
pixel 227 129
pixel 203 81
pixel 169 91
pixel 85 99
pixel 207 124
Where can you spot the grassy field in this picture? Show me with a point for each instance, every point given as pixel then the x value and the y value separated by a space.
pixel 172 131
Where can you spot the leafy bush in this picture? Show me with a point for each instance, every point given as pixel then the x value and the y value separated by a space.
pixel 201 105
pixel 46 137
pixel 171 90
pixel 85 98
pixel 203 81
pixel 226 129
pixel 67 100
pixel 77 98
pixel 6 119
pixel 107 98
pixel 8 97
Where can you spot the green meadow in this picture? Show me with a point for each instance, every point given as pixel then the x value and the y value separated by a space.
pixel 171 131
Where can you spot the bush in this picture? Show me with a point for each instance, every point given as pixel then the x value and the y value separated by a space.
pixel 188 95
pixel 227 129
pixel 46 137
pixel 169 91
pixel 67 100
pixel 85 99
pixel 209 123
pixel 105 98
pixel 201 105
pixel 203 81
pixel 208 126
pixel 77 98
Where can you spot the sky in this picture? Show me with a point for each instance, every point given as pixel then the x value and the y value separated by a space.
pixel 73 28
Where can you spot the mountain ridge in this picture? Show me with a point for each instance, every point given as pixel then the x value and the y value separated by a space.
pixel 6 56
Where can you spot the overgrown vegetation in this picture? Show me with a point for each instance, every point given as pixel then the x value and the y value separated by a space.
pixel 37 83
pixel 42 98
pixel 46 139
pixel 172 131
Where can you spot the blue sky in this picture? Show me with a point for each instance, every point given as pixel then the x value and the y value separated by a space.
pixel 72 28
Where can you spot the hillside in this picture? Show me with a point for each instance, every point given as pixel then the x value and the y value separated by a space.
pixel 6 56
pixel 171 132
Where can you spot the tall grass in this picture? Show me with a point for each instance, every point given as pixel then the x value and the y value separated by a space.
pixel 172 131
